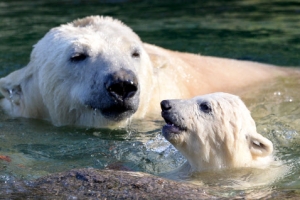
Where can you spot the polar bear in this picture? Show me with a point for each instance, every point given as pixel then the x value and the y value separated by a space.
pixel 90 72
pixel 215 131
pixel 97 72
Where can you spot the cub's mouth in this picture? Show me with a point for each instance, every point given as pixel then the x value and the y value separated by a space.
pixel 173 125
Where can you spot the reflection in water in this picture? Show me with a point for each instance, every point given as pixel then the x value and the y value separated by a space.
pixel 46 149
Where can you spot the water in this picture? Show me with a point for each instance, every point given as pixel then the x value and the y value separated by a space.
pixel 264 31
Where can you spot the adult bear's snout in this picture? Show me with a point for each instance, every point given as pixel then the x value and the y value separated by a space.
pixel 121 85
pixel 165 105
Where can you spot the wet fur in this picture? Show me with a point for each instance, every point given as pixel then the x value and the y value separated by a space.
pixel 52 88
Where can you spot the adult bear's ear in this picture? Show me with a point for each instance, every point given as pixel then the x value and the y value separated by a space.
pixel 10 86
pixel 259 145
pixel 10 91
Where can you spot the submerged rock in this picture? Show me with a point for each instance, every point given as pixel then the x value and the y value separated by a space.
pixel 112 184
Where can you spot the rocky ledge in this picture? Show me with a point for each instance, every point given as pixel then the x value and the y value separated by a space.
pixel 112 184
pixel 107 184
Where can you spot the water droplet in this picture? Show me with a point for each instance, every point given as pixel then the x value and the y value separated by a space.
pixel 10 93
pixel 278 93
pixel 95 111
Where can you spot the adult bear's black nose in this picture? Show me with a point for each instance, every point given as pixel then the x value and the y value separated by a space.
pixel 122 84
pixel 165 105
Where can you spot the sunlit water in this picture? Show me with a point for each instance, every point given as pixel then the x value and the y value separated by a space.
pixel 260 31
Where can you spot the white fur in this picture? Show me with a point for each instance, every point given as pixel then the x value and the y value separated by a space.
pixel 53 88
pixel 225 137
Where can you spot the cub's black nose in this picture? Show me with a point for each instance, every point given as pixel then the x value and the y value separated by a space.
pixel 165 105
pixel 122 84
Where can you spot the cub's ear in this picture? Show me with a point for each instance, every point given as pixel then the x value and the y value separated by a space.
pixel 259 145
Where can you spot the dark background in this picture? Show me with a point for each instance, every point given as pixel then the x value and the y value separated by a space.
pixel 264 31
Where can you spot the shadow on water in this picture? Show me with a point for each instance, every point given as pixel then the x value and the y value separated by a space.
pixel 264 31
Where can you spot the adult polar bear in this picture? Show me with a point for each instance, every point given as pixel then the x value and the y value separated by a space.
pixel 96 72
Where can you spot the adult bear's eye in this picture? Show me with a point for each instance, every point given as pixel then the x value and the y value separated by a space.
pixel 205 107
pixel 77 57
pixel 135 54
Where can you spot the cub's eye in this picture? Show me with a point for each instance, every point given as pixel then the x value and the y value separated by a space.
pixel 135 54
pixel 205 107
pixel 77 57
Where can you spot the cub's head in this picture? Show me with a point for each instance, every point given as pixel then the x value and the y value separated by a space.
pixel 92 72
pixel 215 131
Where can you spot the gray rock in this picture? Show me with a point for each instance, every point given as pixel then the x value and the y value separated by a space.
pixel 114 184
pixel 109 184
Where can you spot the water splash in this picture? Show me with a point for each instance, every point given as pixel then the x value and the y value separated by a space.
pixel 158 144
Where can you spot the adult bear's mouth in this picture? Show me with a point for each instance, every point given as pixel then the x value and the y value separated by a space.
pixel 115 111
pixel 118 112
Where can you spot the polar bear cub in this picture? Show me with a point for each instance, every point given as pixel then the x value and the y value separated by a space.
pixel 215 131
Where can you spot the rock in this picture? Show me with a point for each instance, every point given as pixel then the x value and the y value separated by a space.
pixel 109 184
pixel 112 184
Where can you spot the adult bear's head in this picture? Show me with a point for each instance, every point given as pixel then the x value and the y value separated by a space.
pixel 92 72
